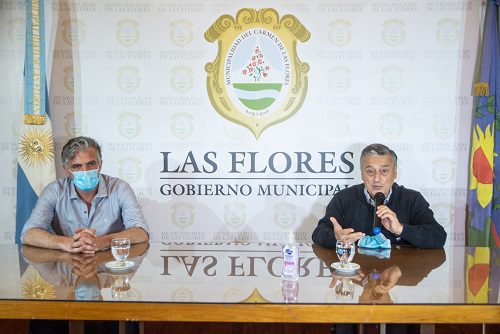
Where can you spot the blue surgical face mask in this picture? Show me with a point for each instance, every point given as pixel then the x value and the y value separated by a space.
pixel 86 180
pixel 87 291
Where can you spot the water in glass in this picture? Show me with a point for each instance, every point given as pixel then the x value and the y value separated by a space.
pixel 344 289
pixel 120 248
pixel 120 289
pixel 345 252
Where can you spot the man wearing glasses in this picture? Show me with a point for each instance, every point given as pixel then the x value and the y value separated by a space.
pixel 405 215
pixel 82 212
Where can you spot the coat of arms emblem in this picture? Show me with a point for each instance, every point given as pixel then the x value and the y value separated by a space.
pixel 257 79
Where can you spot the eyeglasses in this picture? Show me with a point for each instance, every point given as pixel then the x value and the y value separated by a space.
pixel 372 172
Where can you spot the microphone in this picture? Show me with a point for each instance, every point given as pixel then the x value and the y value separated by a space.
pixel 377 223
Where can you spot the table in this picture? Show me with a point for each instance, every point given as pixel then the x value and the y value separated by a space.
pixel 236 282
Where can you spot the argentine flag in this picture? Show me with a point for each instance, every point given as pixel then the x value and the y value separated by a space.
pixel 36 167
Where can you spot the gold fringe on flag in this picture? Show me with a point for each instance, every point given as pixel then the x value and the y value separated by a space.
pixel 34 119
pixel 481 89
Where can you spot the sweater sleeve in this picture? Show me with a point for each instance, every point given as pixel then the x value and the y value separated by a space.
pixel 423 231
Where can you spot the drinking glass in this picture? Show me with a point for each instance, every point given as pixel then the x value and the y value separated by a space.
pixel 345 252
pixel 344 289
pixel 120 289
pixel 120 248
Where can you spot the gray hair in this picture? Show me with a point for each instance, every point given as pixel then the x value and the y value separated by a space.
pixel 379 149
pixel 77 145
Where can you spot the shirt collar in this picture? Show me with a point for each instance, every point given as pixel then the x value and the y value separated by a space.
pixel 371 201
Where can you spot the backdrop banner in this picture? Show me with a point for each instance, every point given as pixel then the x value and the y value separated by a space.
pixel 234 122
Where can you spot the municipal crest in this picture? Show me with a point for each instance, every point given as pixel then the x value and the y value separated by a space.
pixel 128 78
pixel 340 32
pixel 73 31
pixel 257 79
pixel 443 170
pixel 443 212
pixel 182 214
pixel 129 124
pixel 339 125
pixel 393 33
pixel 285 215
pixel 130 169
pixel 69 79
pixel 181 78
pixel 447 31
pixel 392 125
pixel 127 32
pixel 182 125
pixel 444 125
pixel 182 295
pixel 235 215
pixel 181 32
pixel 339 79
pixel 72 128
pixel 392 78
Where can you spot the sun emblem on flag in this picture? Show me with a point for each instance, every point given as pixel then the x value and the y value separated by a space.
pixel 36 147
pixel 481 165
pixel 34 287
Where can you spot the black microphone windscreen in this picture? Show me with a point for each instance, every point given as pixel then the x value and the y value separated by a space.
pixel 379 199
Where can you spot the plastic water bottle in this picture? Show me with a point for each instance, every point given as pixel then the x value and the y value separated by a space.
pixel 290 291
pixel 290 252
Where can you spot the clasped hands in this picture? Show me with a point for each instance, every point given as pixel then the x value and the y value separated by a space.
pixel 84 265
pixel 83 241
pixel 388 218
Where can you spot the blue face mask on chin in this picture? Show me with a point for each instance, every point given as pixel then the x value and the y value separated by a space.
pixel 86 180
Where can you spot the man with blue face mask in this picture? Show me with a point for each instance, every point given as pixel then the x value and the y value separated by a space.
pixel 82 212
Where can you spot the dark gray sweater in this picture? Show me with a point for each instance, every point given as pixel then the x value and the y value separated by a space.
pixel 350 208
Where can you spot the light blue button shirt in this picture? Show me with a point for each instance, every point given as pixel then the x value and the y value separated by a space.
pixel 60 210
pixel 370 200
